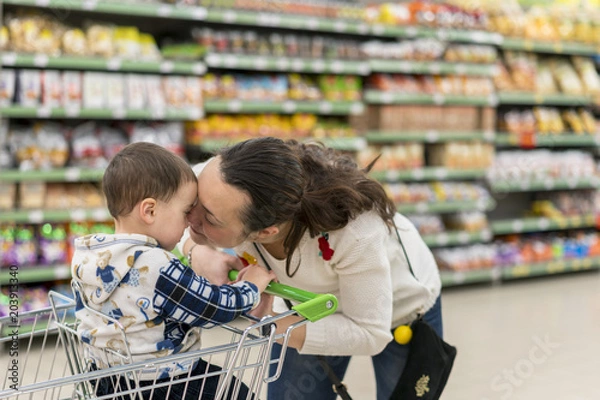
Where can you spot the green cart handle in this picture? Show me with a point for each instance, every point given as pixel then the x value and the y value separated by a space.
pixel 312 306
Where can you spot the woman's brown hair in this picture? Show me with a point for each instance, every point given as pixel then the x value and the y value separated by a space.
pixel 316 188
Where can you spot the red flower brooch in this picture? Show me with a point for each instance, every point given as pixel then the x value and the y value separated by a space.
pixel 326 251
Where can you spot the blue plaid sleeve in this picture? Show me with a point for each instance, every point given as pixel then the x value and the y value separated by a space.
pixel 183 296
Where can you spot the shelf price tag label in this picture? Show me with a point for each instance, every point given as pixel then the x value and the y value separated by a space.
pixel 89 5
pixel 42 3
pixel 164 10
pixel 199 68
pixel 325 107
pixel 229 16
pixel 114 64
pixel 318 66
pixel 72 174
pixel 312 23
pixel 289 106
pixel 44 112
pixel 199 13
pixel 166 67
pixel 9 58
pixel 40 60
pixel 260 63
pixel 340 26
pixel 337 67
pixel 78 215
pixel 418 174
pixel 443 239
pixel 36 216
pixel 357 108
pixel 378 29
pixel 297 64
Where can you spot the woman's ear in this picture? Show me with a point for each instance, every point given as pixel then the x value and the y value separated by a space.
pixel 267 233
pixel 147 210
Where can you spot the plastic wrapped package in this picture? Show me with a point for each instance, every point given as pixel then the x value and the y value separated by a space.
pixel 86 147
pixel 7 87
pixel 29 88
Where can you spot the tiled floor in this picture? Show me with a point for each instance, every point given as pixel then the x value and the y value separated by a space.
pixel 537 339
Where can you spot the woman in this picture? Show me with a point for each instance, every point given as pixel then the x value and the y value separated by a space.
pixel 322 225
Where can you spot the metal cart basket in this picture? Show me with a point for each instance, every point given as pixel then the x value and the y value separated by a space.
pixel 42 357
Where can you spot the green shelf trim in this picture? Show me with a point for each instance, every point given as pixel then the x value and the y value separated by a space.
pixel 446 207
pixel 377 97
pixel 285 107
pixel 522 98
pixel 565 139
pixel 87 113
pixel 39 216
pixel 540 224
pixel 115 7
pixel 102 64
pixel 427 174
pixel 345 144
pixel 432 136
pixel 458 278
pixel 53 175
pixel 37 273
pixel 287 21
pixel 557 47
pixel 272 63
pixel 453 238
pixel 543 185
pixel 432 67
pixel 550 268
pixel 453 35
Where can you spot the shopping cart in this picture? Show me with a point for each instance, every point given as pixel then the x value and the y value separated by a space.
pixel 45 358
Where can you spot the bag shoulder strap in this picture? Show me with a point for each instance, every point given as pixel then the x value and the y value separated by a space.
pixel 338 386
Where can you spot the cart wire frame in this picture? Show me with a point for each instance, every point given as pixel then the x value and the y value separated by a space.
pixel 48 339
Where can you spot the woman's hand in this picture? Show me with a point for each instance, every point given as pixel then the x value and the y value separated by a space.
pixel 214 264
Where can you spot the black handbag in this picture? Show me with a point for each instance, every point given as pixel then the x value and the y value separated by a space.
pixel 429 362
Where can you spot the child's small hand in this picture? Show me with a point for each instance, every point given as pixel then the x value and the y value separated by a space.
pixel 258 275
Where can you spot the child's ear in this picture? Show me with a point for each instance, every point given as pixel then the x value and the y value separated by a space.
pixel 147 209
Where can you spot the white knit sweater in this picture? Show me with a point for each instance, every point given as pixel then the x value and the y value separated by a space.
pixel 369 275
pixel 366 271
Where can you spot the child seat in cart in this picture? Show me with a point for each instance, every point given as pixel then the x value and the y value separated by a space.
pixel 50 361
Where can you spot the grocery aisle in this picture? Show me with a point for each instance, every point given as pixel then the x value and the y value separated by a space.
pixel 529 340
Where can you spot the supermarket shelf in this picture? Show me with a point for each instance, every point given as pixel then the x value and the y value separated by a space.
pixel 522 98
pixel 523 185
pixel 432 67
pixel 431 136
pixel 457 238
pixel 285 107
pixel 284 21
pixel 53 175
pixel 87 113
pixel 427 174
pixel 377 97
pixel 457 278
pixel 446 207
pixel 102 64
pixel 556 47
pixel 541 224
pixel 37 273
pixel 271 63
pixel 550 268
pixel 287 21
pixel 39 216
pixel 345 144
pixel 115 7
pixel 453 35
pixel 567 139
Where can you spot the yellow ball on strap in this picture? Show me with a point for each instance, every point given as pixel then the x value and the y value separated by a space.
pixel 403 334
